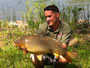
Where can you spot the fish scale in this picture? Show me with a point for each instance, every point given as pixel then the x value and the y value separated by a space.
pixel 37 44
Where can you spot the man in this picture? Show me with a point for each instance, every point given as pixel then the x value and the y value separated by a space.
pixel 54 28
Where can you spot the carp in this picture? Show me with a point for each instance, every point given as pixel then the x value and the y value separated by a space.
pixel 37 44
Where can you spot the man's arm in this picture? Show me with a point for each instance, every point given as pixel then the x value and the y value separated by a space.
pixel 65 38
pixel 42 29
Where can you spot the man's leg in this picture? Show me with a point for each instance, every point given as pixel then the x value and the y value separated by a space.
pixel 60 64
pixel 47 59
pixel 36 62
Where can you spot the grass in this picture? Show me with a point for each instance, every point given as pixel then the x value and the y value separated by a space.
pixel 83 58
pixel 12 57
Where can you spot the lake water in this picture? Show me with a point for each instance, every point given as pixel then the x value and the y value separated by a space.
pixel 9 8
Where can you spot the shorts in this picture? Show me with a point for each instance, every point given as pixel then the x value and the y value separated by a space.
pixel 49 59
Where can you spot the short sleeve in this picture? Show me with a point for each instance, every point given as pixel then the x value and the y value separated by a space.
pixel 66 33
pixel 66 37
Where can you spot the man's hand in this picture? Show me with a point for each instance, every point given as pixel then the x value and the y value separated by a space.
pixel 62 59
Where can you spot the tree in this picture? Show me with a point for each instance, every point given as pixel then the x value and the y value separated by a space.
pixel 34 12
pixel 77 1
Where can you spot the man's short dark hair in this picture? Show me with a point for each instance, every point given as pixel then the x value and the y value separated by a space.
pixel 52 7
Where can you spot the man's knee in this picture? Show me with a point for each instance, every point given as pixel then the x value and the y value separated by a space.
pixel 36 57
pixel 32 57
pixel 37 63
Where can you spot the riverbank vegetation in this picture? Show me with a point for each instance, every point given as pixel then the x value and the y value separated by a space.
pixel 12 57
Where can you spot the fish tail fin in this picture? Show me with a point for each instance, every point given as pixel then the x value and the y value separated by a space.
pixel 70 55
pixel 68 58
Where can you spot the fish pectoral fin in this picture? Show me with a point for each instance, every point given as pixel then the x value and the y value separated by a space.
pixel 24 51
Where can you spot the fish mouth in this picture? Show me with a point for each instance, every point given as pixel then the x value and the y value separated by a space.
pixel 18 47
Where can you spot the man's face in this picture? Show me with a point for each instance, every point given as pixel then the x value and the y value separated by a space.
pixel 51 17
